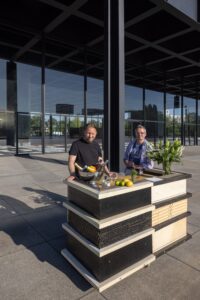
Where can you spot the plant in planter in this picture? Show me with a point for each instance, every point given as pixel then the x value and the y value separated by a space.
pixel 166 154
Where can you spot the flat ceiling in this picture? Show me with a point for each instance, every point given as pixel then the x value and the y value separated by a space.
pixel 162 45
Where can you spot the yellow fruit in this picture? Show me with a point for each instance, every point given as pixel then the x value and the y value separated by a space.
pixel 117 182
pixel 129 183
pixel 91 169
pixel 122 183
pixel 126 180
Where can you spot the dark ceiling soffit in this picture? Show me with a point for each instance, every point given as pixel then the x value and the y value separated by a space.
pixel 67 11
pixel 51 26
pixel 73 10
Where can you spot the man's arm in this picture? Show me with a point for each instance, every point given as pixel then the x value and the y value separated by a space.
pixel 71 167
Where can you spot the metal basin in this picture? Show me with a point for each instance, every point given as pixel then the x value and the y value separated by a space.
pixel 84 175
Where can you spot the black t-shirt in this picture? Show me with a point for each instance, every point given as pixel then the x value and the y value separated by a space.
pixel 86 153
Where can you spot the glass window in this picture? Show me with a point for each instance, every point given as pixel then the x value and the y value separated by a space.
pixel 28 88
pixel 154 106
pixel 3 93
pixel 189 110
pixel 198 112
pixel 133 103
pixel 189 120
pixel 133 109
pixel 64 93
pixel 29 108
pixel 173 116
pixel 4 117
pixel 95 104
pixel 63 109
pixel 187 7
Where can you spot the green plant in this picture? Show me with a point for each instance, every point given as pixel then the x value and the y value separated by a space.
pixel 166 154
pixel 134 174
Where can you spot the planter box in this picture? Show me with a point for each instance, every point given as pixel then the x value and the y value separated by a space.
pixel 169 211
pixel 166 236
pixel 113 233
pixel 106 203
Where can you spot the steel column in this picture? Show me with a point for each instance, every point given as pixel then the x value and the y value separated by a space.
pixel 114 83
pixel 43 96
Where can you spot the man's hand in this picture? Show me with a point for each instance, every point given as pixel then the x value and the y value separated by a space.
pixel 129 164
pixel 69 178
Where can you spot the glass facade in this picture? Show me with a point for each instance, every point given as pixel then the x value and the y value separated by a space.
pixel 94 105
pixel 63 109
pixel 134 111
pixel 71 100
pixel 187 7
pixel 28 108
pixel 154 115
pixel 173 117
pixel 3 104
pixel 189 121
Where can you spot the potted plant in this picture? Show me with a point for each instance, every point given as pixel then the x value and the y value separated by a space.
pixel 166 154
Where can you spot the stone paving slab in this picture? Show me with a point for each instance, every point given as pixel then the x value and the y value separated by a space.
pixel 35 201
pixel 45 176
pixel 21 181
pixel 56 187
pixel 48 222
pixel 39 273
pixel 192 228
pixel 20 190
pixel 6 211
pixel 31 212
pixel 189 252
pixel 58 243
pixel 93 295
pixel 166 278
pixel 29 204
pixel 16 234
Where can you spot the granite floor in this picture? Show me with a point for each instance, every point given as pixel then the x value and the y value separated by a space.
pixel 31 237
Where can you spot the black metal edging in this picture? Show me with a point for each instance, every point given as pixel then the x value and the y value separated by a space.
pixel 173 220
pixel 172 200
pixel 177 177
pixel 173 245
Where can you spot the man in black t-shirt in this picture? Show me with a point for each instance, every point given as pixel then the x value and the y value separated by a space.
pixel 85 151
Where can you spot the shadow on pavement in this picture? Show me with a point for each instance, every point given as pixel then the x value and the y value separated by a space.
pixel 39 230
pixel 45 159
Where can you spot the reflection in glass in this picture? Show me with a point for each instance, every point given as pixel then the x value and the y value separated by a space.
pixel 29 108
pixel 133 109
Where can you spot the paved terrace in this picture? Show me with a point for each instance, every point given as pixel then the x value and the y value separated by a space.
pixel 31 237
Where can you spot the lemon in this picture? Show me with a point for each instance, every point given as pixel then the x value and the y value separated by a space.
pixel 91 169
pixel 117 182
pixel 129 183
pixel 126 180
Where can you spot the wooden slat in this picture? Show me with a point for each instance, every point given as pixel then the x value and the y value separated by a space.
pixel 167 212
pixel 169 234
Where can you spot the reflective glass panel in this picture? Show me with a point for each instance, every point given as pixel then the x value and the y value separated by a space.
pixel 63 109
pixel 133 109
pixel 3 106
pixel 29 108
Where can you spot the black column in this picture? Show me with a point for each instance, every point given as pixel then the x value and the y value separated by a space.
pixel 165 106
pixel 11 102
pixel 43 95
pixel 182 121
pixel 114 84
pixel 85 87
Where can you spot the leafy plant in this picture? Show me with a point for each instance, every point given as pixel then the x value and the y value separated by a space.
pixel 166 154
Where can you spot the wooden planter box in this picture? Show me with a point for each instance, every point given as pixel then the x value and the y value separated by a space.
pixel 113 233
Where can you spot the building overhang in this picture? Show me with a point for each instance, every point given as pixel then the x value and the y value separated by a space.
pixel 162 44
